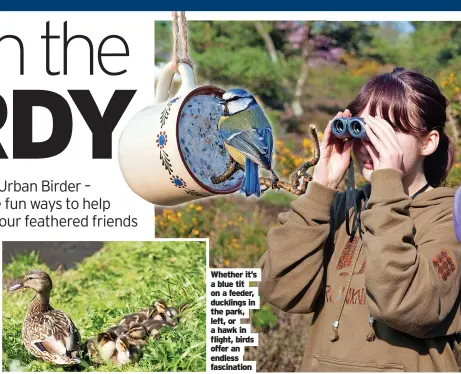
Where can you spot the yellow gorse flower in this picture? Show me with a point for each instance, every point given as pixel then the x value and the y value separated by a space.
pixel 307 143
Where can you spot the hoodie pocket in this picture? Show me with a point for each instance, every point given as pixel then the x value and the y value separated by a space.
pixel 326 364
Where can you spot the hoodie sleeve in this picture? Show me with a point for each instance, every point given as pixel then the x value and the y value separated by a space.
pixel 292 267
pixel 410 287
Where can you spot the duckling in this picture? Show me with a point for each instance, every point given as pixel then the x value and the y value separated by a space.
pixel 126 353
pixel 153 327
pixel 47 333
pixel 136 333
pixel 106 344
pixel 117 330
pixel 101 349
pixel 170 316
pixel 91 352
pixel 157 307
pixel 177 311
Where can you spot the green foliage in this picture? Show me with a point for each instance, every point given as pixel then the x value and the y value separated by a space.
pixel 264 318
pixel 163 42
pixel 352 36
pixel 229 66
pixel 454 178
pixel 333 83
pixel 278 197
pixel 431 47
pixel 233 53
pixel 228 35
pixel 387 45
pixel 121 278
pixel 22 263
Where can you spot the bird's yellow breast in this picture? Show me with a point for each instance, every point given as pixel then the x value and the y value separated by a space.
pixel 236 154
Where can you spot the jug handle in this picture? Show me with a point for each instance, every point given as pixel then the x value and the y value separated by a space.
pixel 166 78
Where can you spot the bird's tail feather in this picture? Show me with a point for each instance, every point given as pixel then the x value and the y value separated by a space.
pixel 250 185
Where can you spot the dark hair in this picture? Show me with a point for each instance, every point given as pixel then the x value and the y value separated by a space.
pixel 412 103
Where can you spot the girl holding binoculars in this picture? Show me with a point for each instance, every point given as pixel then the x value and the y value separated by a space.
pixel 381 275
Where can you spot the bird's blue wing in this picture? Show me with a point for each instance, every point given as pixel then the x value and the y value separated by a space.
pixel 255 144
pixel 268 140
pixel 250 133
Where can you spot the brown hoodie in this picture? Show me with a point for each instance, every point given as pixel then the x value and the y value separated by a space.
pixel 403 270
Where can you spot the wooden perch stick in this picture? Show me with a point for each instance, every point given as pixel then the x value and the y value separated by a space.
pixel 298 174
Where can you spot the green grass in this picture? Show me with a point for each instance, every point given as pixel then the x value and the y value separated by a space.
pixel 454 178
pixel 278 197
pixel 264 318
pixel 121 278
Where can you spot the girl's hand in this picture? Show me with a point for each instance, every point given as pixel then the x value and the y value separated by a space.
pixel 383 147
pixel 335 155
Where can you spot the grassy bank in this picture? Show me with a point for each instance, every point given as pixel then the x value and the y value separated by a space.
pixel 121 278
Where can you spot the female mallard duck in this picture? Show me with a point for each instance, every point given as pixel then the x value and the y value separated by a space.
pixel 47 333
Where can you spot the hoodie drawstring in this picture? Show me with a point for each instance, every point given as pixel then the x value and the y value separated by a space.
pixel 352 202
pixel 343 302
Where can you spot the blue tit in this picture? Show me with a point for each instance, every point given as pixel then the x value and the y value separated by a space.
pixel 247 136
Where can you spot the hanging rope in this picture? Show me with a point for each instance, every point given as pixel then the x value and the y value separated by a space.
pixel 180 28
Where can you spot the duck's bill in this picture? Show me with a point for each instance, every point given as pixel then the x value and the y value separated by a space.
pixel 16 287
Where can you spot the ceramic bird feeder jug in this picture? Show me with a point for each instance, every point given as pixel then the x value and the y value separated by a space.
pixel 169 151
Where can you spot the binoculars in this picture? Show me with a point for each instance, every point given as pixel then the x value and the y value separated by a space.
pixel 353 127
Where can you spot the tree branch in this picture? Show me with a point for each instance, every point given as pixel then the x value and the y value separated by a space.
pixel 270 47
